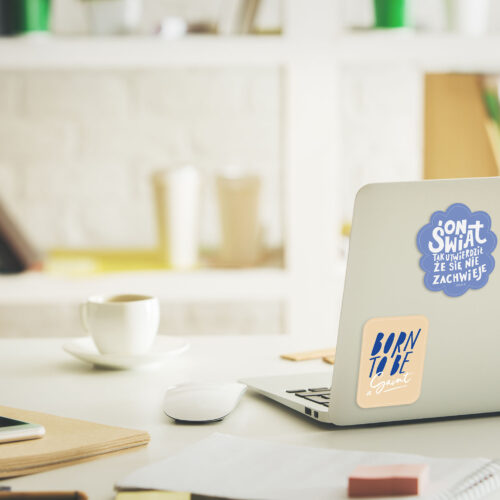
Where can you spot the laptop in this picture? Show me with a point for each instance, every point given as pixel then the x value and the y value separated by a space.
pixel 419 330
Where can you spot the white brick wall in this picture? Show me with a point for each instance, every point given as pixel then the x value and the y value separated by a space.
pixel 9 95
pixel 22 141
pixel 381 111
pixel 77 149
pixel 75 95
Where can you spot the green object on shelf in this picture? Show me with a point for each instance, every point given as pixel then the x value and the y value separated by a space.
pixel 391 13
pixel 492 104
pixel 35 15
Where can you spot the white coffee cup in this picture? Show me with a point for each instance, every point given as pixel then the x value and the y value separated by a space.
pixel 121 324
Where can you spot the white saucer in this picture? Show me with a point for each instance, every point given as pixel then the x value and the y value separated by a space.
pixel 163 349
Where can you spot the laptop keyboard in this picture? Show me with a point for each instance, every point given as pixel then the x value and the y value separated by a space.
pixel 320 395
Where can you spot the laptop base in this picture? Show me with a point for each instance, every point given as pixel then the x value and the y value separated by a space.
pixel 276 387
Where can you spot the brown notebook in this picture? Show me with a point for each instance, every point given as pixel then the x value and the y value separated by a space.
pixel 67 441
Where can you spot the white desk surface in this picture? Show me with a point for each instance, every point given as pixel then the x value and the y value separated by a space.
pixel 36 374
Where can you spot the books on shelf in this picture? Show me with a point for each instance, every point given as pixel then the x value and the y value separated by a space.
pixel 268 18
pixel 16 252
pixel 237 17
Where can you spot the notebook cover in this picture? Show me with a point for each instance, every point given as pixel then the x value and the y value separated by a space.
pixel 67 441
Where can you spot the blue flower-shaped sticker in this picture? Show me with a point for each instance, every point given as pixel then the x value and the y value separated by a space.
pixel 456 248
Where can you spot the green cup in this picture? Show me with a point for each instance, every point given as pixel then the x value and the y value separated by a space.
pixel 35 15
pixel 391 13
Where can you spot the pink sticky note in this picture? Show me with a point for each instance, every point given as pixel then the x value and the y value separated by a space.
pixel 388 480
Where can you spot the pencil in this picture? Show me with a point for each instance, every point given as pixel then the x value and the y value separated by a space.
pixel 43 495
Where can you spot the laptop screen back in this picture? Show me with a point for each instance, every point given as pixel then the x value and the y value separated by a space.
pixel 421 250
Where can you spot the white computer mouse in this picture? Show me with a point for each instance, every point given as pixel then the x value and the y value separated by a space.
pixel 203 402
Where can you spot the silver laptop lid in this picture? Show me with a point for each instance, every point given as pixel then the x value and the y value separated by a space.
pixel 391 274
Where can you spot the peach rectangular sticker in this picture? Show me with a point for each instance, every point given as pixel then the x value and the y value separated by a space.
pixel 392 361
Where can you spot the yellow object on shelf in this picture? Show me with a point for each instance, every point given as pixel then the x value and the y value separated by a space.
pixel 152 495
pixel 90 261
pixel 346 229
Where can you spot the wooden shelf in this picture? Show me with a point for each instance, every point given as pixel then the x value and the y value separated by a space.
pixel 139 52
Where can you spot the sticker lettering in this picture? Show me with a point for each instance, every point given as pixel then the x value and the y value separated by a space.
pixel 456 247
pixel 392 361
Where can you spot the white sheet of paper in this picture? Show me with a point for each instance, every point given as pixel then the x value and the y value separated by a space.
pixel 240 468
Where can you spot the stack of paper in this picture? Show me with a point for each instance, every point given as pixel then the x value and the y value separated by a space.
pixel 238 468
pixel 67 441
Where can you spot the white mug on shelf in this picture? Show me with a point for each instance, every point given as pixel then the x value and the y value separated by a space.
pixel 121 324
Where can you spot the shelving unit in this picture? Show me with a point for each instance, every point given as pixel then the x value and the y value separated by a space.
pixel 311 53
pixel 311 277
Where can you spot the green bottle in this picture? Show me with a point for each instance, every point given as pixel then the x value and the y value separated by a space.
pixel 391 13
pixel 35 15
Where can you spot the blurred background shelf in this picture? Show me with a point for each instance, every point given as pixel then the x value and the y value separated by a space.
pixel 202 285
pixel 315 112
pixel 140 51
pixel 427 51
